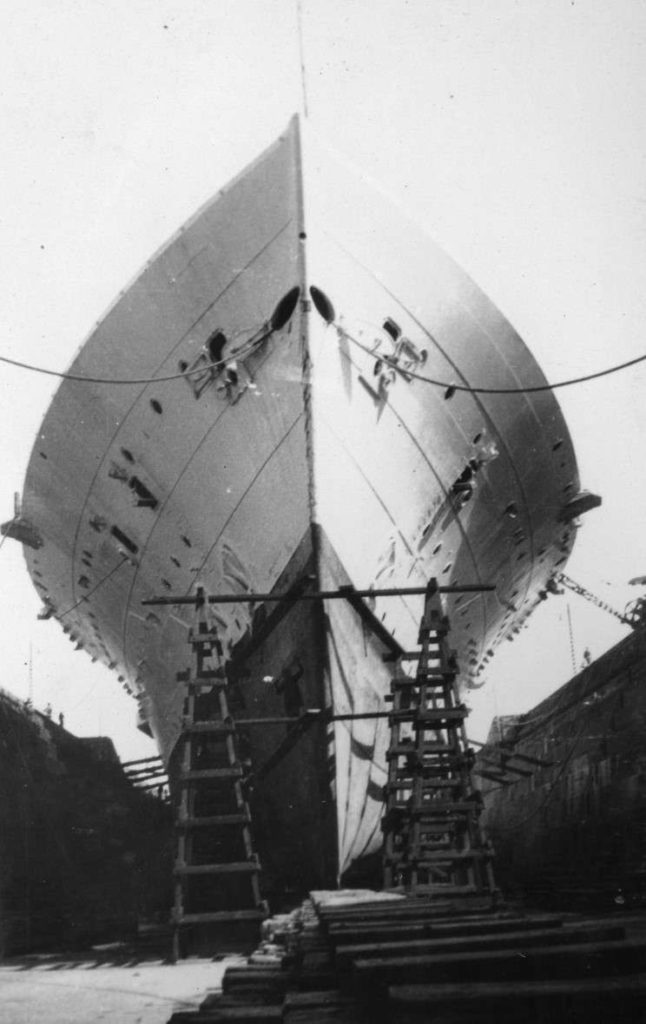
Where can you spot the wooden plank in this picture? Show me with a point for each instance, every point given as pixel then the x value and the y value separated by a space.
pixel 205 682
pixel 384 931
pixel 341 1012
pixel 504 965
pixel 427 717
pixel 353 1013
pixel 315 980
pixel 214 819
pixel 427 921
pixel 233 867
pixel 406 781
pixel 437 890
pixel 258 970
pixel 218 999
pixel 631 985
pixel 245 1006
pixel 243 1014
pixel 209 727
pixel 451 809
pixel 386 908
pixel 391 909
pixel 438 749
pixel 211 773
pixel 424 679
pixel 441 857
pixel 204 636
pixel 520 940
pixel 270 987
pixel 325 997
pixel 342 593
pixel 214 916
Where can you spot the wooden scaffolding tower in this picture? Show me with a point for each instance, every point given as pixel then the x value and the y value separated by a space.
pixel 432 840
pixel 217 872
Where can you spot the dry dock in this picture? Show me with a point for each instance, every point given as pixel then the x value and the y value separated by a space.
pixel 564 789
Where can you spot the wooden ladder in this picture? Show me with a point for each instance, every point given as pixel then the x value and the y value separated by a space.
pixel 217 872
pixel 432 840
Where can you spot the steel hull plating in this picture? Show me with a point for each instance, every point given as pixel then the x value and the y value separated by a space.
pixel 312 452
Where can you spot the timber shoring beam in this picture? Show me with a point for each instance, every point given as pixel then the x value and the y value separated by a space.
pixel 300 724
pixel 345 593
pixel 140 760
pixel 316 715
pixel 146 773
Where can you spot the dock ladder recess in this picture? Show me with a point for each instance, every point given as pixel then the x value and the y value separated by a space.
pixel 432 839
pixel 217 872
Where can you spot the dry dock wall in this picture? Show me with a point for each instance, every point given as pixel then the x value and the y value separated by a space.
pixel 574 828
pixel 82 854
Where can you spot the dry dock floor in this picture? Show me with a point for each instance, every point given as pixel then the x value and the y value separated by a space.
pixel 103 989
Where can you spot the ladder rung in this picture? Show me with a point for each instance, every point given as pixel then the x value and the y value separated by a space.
pixel 426 775
pixel 433 677
pixel 430 859
pixel 429 716
pixel 417 850
pixel 199 672
pixel 220 915
pixel 214 820
pixel 211 773
pixel 432 651
pixel 210 637
pixel 455 807
pixel 426 769
pixel 408 781
pixel 207 727
pixel 205 682
pixel 455 855
pixel 439 888
pixel 230 868
pixel 416 655
pixel 434 828
pixel 431 810
pixel 428 760
pixel 429 748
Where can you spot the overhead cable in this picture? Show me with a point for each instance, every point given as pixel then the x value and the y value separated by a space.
pixel 94 589
pixel 240 353
pixel 189 372
pixel 477 390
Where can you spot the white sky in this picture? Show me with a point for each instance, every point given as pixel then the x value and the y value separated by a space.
pixel 514 132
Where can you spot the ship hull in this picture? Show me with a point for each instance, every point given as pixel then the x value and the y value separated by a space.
pixel 313 455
